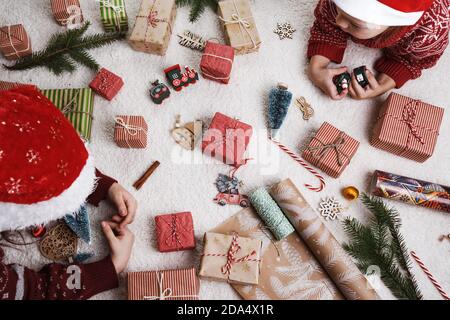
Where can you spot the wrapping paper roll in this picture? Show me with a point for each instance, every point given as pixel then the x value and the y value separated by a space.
pixel 327 250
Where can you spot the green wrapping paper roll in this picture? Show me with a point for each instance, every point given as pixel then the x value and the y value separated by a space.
pixel 271 214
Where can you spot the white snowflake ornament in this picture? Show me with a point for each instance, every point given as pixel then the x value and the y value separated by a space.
pixel 284 30
pixel 330 208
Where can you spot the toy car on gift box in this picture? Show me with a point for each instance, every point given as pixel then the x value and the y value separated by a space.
pixel 179 80
pixel 232 198
pixel 159 92
pixel 342 81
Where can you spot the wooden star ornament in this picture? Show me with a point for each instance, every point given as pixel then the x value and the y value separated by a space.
pixel 284 30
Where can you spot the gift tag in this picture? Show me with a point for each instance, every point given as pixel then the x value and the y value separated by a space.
pixel 59 244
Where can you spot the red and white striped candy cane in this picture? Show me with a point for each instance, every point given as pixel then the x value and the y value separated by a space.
pixel 296 157
pixel 430 276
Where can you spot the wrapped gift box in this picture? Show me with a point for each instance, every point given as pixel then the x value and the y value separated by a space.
pixel 407 127
pixel 217 62
pixel 106 84
pixel 153 27
pixel 231 258
pixel 14 42
pixel 240 27
pixel 130 132
pixel 67 12
pixel 331 150
pixel 77 105
pixel 114 15
pixel 175 232
pixel 227 139
pixel 6 85
pixel 180 284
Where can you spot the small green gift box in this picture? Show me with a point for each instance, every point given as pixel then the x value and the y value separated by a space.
pixel 114 15
pixel 77 105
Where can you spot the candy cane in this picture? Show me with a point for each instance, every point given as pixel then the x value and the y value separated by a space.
pixel 430 276
pixel 294 156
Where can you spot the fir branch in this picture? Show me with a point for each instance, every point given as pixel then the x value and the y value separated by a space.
pixel 197 7
pixel 381 244
pixel 64 49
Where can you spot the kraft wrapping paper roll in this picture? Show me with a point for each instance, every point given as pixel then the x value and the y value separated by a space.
pixel 327 250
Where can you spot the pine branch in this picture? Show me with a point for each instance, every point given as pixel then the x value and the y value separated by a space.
pixel 64 49
pixel 191 40
pixel 381 244
pixel 197 7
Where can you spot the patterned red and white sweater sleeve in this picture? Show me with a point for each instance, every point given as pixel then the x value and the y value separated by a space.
pixel 404 58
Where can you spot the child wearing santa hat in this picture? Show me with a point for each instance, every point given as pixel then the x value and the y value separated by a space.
pixel 47 173
pixel 413 35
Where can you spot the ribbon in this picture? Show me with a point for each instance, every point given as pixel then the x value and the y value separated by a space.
pixel 153 20
pixel 167 292
pixel 334 146
pixel 130 129
pixel 117 10
pixel 243 23
pixel 174 235
pixel 74 12
pixel 71 105
pixel 16 52
pixel 219 57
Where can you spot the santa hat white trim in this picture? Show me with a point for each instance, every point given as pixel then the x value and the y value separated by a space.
pixel 19 216
pixel 375 12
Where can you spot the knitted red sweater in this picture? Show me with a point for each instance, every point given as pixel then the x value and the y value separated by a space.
pixel 56 281
pixel 407 50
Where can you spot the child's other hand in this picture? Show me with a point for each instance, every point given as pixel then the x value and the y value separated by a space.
pixel 374 89
pixel 322 77
pixel 120 242
pixel 126 205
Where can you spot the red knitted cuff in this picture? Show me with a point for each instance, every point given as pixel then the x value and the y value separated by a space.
pixel 99 276
pixel 332 52
pixel 394 69
pixel 101 191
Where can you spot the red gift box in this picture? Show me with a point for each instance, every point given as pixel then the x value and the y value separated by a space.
pixel 106 84
pixel 67 12
pixel 227 139
pixel 217 62
pixel 175 232
pixel 130 132
pixel 180 284
pixel 407 127
pixel 14 42
pixel 331 150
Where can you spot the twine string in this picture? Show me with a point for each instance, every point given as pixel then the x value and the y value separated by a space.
pixel 167 292
pixel 69 108
pixel 116 9
pixel 131 130
pixel 153 20
pixel 325 148
pixel 218 57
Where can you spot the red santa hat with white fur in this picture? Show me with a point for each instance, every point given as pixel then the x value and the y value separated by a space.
pixel 46 170
pixel 386 12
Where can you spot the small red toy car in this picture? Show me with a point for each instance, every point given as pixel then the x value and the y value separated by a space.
pixel 231 198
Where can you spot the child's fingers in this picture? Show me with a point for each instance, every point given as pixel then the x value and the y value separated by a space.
pixel 338 71
pixel 116 218
pixel 131 206
pixel 373 83
pixel 109 234
pixel 359 91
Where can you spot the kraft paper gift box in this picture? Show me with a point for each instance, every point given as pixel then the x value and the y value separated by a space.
pixel 67 12
pixel 106 84
pixel 407 127
pixel 217 62
pixel 240 27
pixel 153 27
pixel 231 258
pixel 175 232
pixel 227 139
pixel 77 105
pixel 130 132
pixel 14 42
pixel 114 15
pixel 331 150
pixel 178 284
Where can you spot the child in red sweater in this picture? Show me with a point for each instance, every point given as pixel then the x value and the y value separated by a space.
pixel 413 35
pixel 46 173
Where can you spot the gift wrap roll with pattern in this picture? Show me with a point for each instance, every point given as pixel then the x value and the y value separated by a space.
pixel 327 250
pixel 271 214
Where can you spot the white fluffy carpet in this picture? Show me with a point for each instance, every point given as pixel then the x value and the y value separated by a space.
pixel 188 185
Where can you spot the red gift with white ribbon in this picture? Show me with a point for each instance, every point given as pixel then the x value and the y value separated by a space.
pixel 217 62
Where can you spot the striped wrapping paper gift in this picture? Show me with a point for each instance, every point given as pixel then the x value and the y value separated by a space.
pixel 77 105
pixel 14 42
pixel 67 12
pixel 6 85
pixel 130 132
pixel 114 15
pixel 180 284
pixel 331 150
pixel 407 127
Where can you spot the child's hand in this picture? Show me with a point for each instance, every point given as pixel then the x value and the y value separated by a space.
pixel 374 89
pixel 322 77
pixel 120 242
pixel 126 205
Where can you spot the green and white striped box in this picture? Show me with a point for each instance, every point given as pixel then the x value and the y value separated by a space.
pixel 77 105
pixel 114 15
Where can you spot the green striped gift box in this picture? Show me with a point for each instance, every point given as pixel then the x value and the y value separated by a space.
pixel 114 15
pixel 77 105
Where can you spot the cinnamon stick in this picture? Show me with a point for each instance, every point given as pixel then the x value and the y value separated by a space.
pixel 139 183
